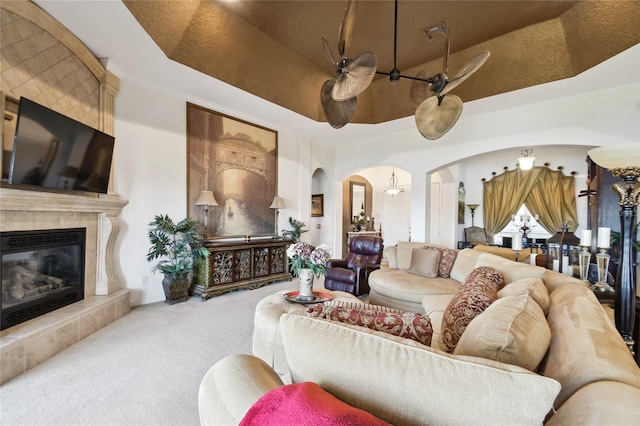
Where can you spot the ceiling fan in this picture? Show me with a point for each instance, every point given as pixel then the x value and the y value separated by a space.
pixel 437 111
pixel 338 96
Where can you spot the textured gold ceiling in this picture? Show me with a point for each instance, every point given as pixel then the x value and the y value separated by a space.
pixel 273 49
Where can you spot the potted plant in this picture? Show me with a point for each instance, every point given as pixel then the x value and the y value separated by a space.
pixel 296 230
pixel 177 245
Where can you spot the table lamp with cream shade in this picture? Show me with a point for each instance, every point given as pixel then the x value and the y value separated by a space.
pixel 276 205
pixel 206 199
pixel 623 161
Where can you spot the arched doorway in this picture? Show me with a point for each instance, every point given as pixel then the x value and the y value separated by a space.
pixel 390 214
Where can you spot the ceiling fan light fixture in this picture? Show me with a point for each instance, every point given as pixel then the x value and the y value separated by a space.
pixel 526 159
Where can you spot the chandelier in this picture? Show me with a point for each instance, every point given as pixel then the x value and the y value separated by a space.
pixel 393 189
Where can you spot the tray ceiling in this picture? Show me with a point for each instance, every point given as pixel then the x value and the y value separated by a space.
pixel 273 49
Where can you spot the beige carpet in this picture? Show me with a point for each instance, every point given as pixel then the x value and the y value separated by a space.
pixel 144 369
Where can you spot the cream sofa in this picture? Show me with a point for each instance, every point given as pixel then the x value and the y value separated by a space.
pixel 393 286
pixel 586 376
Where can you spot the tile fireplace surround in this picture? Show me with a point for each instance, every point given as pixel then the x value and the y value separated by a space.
pixel 28 344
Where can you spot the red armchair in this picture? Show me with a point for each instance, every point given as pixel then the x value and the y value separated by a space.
pixel 352 274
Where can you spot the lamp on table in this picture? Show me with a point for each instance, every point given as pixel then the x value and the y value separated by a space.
pixel 206 199
pixel 623 161
pixel 276 205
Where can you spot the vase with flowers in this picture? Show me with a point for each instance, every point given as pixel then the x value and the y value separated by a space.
pixel 307 262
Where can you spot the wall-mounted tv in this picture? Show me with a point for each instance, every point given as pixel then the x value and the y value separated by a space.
pixel 51 150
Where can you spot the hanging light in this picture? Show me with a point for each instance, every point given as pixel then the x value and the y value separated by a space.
pixel 393 189
pixel 526 159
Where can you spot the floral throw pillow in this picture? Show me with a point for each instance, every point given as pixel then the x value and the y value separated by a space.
pixel 476 293
pixel 410 325
pixel 447 258
pixel 361 306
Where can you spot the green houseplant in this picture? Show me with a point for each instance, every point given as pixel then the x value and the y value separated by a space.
pixel 177 245
pixel 296 230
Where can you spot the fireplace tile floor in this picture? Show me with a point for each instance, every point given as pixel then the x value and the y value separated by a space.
pixel 26 345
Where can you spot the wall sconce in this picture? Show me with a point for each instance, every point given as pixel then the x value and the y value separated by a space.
pixel 623 161
pixel 526 159
pixel 393 189
pixel 276 205
pixel 206 199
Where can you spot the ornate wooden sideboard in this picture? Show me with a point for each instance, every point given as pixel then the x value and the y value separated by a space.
pixel 241 264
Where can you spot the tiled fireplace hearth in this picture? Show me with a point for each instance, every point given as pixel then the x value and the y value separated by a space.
pixel 29 343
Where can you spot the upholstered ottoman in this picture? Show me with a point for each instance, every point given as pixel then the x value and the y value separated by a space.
pixel 267 339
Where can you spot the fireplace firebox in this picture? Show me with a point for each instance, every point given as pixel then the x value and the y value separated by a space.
pixel 41 271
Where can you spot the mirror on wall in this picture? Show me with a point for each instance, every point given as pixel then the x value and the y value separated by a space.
pixel 357 200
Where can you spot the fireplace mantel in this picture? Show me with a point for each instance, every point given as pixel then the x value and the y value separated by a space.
pixel 24 210
pixel 106 297
pixel 26 200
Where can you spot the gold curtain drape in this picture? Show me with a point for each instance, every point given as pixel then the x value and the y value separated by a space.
pixel 547 193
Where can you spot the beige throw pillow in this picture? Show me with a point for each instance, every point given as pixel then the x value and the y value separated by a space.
pixel 425 262
pixel 513 330
pixel 533 286
pixel 411 383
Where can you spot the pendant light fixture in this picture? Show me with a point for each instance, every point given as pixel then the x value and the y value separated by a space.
pixel 526 159
pixel 393 189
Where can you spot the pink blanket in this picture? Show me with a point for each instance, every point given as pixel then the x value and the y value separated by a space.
pixel 305 404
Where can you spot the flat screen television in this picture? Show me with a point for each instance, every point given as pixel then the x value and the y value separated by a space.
pixel 51 150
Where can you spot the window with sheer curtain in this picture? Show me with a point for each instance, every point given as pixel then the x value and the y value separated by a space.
pixel 547 193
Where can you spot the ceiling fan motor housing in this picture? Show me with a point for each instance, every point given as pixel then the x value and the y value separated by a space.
pixel 394 75
pixel 438 82
pixel 343 64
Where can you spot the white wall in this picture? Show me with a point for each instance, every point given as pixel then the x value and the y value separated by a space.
pixel 598 119
pixel 150 162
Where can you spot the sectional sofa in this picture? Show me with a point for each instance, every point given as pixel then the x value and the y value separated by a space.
pixel 544 351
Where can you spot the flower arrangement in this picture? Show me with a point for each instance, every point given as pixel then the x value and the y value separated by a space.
pixel 303 255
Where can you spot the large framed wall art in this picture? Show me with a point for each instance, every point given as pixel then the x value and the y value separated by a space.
pixel 238 162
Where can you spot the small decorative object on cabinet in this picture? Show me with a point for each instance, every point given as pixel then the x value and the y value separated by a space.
pixel 241 264
pixel 178 246
pixel 562 251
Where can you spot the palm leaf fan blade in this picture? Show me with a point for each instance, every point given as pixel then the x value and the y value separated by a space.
pixel 467 70
pixel 420 89
pixel 345 33
pixel 437 115
pixel 355 78
pixel 329 52
pixel 338 113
